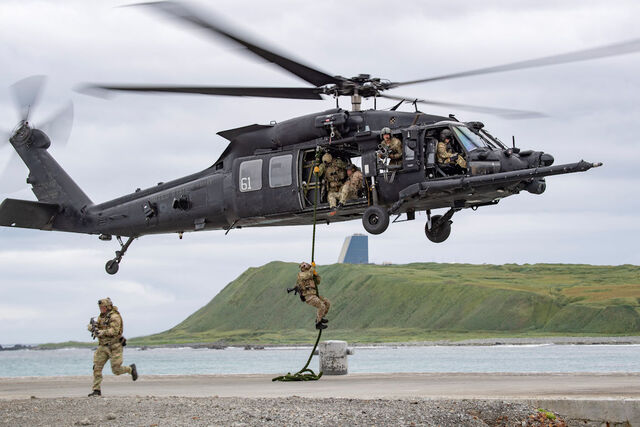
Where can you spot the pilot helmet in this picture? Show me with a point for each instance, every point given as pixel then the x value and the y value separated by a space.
pixel 327 158
pixel 446 133
pixel 304 266
pixel 384 131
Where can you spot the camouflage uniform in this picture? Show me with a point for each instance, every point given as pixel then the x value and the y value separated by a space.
pixel 350 188
pixel 306 284
pixel 335 174
pixel 444 155
pixel 394 146
pixel 109 343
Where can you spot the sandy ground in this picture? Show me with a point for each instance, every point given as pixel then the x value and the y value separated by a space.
pixel 228 411
pixel 356 386
pixel 354 399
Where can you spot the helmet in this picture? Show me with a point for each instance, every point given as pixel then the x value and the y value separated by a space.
pixel 384 131
pixel 327 158
pixel 105 302
pixel 446 133
pixel 305 266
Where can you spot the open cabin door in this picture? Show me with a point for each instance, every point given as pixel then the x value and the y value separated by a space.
pixel 266 185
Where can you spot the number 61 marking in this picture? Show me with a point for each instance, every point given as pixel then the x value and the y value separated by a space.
pixel 245 183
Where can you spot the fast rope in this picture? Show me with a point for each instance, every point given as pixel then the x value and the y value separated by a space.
pixel 307 374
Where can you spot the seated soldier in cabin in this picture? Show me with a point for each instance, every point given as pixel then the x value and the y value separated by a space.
pixel 445 155
pixel 353 184
pixel 334 171
pixel 393 147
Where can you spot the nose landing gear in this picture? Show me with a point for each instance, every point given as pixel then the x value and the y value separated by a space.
pixel 113 265
pixel 438 227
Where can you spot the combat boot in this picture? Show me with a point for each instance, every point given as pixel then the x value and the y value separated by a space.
pixel 323 320
pixel 95 393
pixel 134 372
pixel 321 325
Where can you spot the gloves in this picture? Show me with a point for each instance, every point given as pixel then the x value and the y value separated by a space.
pixel 99 333
pixel 89 327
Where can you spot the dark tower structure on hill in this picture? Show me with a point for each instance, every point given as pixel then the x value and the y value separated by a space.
pixel 355 250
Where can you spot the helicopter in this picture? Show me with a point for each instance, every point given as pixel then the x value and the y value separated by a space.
pixel 265 176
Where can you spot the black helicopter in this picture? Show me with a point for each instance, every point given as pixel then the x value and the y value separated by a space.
pixel 265 176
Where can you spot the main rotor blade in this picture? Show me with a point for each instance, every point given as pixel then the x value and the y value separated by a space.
pixel 26 93
pixel 180 11
pixel 58 126
pixel 623 48
pixel 267 92
pixel 502 112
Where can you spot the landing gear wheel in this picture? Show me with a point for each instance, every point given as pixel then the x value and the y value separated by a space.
pixel 375 219
pixel 112 266
pixel 439 231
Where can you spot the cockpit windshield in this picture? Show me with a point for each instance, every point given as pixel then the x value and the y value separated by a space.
pixel 468 139
pixel 492 140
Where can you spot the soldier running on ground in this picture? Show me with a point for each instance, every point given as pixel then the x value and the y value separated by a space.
pixel 108 330
pixel 307 282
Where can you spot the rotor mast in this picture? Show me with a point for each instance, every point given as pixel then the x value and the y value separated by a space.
pixel 356 101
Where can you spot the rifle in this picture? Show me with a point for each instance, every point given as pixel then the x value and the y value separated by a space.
pixel 296 291
pixel 94 328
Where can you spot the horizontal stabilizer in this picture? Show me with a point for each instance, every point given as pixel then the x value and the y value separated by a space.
pixel 230 134
pixel 27 214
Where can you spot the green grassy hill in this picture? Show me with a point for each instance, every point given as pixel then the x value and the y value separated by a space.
pixel 417 302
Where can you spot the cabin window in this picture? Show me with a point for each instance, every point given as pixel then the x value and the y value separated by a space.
pixel 280 171
pixel 250 178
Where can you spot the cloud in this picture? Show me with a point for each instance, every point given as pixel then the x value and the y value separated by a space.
pixel 12 313
pixel 132 141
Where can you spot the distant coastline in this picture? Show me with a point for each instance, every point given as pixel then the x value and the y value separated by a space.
pixel 220 345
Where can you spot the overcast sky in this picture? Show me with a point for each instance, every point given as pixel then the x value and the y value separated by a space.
pixel 50 282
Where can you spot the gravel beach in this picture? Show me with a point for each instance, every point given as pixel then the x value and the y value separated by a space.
pixel 183 411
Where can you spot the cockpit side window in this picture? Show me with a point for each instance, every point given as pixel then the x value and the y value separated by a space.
pixel 468 139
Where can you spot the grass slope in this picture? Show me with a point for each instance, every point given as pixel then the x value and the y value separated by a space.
pixel 374 303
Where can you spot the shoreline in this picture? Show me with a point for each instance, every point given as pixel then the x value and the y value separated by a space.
pixel 221 345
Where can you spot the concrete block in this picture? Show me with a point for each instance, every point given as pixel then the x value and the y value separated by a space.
pixel 333 357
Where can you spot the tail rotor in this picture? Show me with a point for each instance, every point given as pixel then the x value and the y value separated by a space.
pixel 26 93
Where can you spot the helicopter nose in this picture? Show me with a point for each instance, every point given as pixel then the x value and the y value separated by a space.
pixel 546 159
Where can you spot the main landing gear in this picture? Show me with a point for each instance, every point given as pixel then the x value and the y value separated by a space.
pixel 438 227
pixel 113 265
pixel 375 219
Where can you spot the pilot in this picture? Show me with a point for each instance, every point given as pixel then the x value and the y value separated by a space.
pixel 110 343
pixel 307 282
pixel 393 146
pixel 353 184
pixel 334 175
pixel 445 155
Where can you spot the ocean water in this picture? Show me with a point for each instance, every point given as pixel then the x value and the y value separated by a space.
pixel 503 358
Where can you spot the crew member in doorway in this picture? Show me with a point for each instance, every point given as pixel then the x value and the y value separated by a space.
pixel 445 155
pixel 393 147
pixel 306 285
pixel 334 171
pixel 353 184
